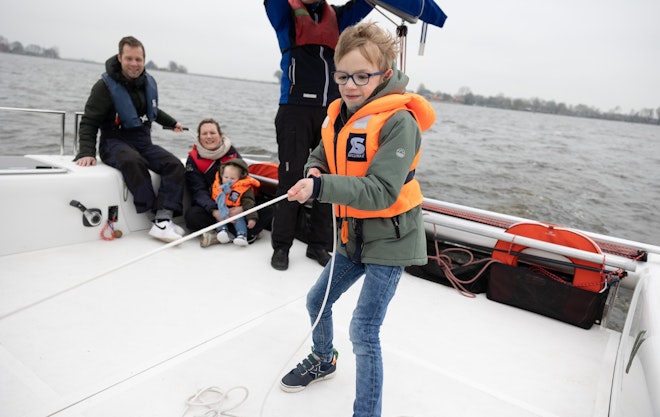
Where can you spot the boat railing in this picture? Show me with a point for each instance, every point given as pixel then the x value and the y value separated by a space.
pixel 615 246
pixel 62 115
pixel 76 125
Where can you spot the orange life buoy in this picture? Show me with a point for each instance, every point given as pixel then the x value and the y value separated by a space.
pixel 590 279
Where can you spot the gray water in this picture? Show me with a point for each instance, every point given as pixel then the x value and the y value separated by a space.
pixel 594 175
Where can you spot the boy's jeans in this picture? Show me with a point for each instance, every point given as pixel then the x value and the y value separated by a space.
pixel 377 290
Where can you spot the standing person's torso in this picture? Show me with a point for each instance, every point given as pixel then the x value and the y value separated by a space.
pixel 307 36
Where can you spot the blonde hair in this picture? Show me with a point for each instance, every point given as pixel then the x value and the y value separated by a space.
pixel 374 43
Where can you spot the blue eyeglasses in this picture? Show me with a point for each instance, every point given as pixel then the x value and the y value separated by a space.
pixel 359 78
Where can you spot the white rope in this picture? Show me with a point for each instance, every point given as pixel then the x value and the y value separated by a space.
pixel 212 401
pixel 145 255
pixel 318 317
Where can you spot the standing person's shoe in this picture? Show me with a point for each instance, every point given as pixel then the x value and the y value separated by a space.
pixel 165 230
pixel 280 259
pixel 208 238
pixel 319 254
pixel 311 369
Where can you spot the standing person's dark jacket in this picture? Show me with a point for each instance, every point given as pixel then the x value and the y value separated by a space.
pixel 307 35
pixel 306 69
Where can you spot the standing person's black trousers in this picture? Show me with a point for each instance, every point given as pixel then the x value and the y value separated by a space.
pixel 298 131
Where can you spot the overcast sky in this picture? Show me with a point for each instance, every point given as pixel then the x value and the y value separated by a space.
pixel 602 53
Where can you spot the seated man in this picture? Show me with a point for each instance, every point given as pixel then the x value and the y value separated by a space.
pixel 123 104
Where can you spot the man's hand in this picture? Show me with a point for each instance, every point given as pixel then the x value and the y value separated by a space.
pixel 86 161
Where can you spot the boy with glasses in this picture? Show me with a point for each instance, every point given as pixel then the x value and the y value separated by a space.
pixel 365 165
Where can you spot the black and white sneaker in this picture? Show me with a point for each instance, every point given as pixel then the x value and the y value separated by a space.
pixel 311 369
pixel 166 231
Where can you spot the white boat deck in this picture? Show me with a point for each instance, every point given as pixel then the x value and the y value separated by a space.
pixel 132 327
pixel 140 340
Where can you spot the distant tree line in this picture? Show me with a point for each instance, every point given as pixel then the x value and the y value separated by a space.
pixel 172 67
pixel 465 96
pixel 36 50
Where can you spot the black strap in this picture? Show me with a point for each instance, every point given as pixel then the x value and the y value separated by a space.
pixel 395 222
pixel 359 242
pixel 410 176
pixel 356 258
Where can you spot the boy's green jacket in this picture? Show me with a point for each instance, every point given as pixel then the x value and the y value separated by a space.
pixel 381 244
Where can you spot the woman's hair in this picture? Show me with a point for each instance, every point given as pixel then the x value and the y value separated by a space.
pixel 205 121
pixel 374 43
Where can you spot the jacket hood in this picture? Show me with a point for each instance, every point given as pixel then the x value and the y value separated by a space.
pixel 241 164
pixel 396 84
pixel 113 67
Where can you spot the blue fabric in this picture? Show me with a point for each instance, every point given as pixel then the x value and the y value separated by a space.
pixel 380 283
pixel 313 57
pixel 124 105
pixel 240 225
pixel 225 189
pixel 430 12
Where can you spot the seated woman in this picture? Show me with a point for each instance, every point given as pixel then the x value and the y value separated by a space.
pixel 211 149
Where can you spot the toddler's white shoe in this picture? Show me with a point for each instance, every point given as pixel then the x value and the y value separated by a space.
pixel 223 237
pixel 164 230
pixel 240 240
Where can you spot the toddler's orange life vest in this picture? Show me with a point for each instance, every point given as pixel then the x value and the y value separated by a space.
pixel 238 189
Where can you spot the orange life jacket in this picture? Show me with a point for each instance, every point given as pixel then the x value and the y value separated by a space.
pixel 366 124
pixel 308 32
pixel 238 189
